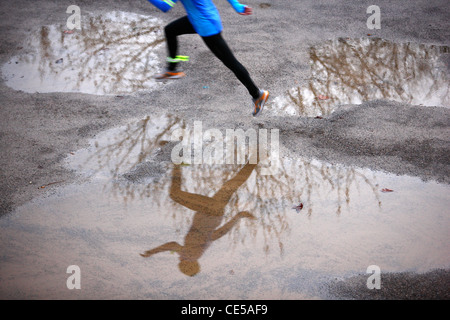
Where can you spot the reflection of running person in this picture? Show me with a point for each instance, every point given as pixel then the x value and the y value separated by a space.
pixel 209 213
pixel 203 18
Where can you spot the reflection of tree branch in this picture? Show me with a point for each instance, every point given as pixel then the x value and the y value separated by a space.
pixel 269 198
pixel 91 41
pixel 44 47
pixel 96 37
pixel 367 69
pixel 120 152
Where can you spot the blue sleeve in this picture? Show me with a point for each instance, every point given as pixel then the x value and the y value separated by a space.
pixel 163 5
pixel 237 6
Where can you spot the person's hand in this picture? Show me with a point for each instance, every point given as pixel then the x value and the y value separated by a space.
pixel 247 11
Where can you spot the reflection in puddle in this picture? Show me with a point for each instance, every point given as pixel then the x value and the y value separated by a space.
pixel 113 53
pixel 208 217
pixel 236 223
pixel 351 71
pixel 120 150
pixel 268 198
pixel 137 156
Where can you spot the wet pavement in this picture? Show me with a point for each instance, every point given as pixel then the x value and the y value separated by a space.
pixel 140 227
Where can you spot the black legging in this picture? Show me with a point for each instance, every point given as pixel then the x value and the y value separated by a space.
pixel 216 44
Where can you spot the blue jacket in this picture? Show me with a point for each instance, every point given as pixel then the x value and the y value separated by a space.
pixel 202 14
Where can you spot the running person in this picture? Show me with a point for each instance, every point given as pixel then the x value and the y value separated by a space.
pixel 203 18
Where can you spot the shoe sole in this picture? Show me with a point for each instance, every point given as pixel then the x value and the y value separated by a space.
pixel 174 77
pixel 264 100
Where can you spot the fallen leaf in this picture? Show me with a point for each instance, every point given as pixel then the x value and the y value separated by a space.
pixel 299 207
pixel 49 184
pixel 386 190
pixel 319 117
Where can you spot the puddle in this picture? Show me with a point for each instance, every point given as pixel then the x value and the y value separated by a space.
pixel 120 150
pixel 351 71
pixel 113 53
pixel 145 228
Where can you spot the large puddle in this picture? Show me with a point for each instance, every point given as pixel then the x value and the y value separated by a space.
pixel 113 53
pixel 142 227
pixel 352 71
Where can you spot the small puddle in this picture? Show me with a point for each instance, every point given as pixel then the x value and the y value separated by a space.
pixel 113 53
pixel 142 227
pixel 352 71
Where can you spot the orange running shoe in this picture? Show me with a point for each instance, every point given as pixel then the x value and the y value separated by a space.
pixel 169 75
pixel 259 103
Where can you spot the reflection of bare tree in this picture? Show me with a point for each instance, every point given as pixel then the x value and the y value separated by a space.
pixel 273 196
pixel 130 50
pixel 113 53
pixel 135 143
pixel 348 71
pixel 45 50
pixel 269 198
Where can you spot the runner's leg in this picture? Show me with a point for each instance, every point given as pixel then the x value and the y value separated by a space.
pixel 219 47
pixel 172 31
